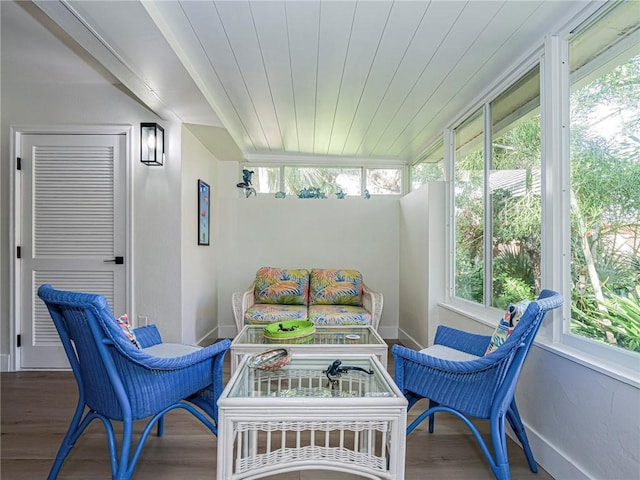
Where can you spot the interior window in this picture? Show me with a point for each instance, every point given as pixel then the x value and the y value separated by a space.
pixel 384 181
pixel 265 179
pixel 328 180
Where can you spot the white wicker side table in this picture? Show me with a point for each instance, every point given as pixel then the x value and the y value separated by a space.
pixel 293 418
pixel 335 340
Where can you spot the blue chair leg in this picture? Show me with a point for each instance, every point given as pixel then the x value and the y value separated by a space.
pixel 68 441
pixel 432 417
pixel 499 439
pixel 513 416
pixel 161 426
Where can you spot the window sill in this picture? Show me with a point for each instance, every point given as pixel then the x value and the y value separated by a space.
pixel 610 369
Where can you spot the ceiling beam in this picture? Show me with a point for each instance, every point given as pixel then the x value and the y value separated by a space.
pixel 81 30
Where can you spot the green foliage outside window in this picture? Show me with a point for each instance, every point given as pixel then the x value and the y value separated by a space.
pixel 605 208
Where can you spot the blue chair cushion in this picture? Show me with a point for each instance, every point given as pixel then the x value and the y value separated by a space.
pixel 447 353
pixel 170 350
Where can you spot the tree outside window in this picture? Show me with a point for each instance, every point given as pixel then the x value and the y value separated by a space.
pixel 605 180
pixel 430 167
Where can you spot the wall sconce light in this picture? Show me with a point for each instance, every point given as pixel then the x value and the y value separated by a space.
pixel 151 144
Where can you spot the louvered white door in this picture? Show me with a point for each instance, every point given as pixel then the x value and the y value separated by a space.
pixel 73 228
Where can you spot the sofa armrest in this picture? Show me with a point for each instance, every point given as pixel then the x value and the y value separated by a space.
pixel 372 302
pixel 241 301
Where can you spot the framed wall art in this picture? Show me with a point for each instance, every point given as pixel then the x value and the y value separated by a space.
pixel 204 212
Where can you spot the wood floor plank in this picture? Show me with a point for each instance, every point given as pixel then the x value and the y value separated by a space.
pixel 36 408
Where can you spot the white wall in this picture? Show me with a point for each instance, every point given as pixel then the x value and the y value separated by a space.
pixel 157 210
pixel 199 276
pixel 305 233
pixel 422 261
pixel 91 99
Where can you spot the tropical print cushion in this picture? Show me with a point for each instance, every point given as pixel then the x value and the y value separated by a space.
pixel 335 287
pixel 127 329
pixel 281 286
pixel 339 315
pixel 507 324
pixel 262 314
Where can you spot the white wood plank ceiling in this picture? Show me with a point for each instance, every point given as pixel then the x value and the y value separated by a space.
pixel 367 80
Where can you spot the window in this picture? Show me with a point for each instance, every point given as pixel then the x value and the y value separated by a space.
pixel 604 62
pixel 329 180
pixel 383 181
pixel 468 187
pixel 430 167
pixel 514 192
pixel 498 191
pixel 265 179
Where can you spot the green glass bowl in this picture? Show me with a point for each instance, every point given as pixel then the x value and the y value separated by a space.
pixel 289 329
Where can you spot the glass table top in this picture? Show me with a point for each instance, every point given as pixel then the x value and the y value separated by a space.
pixel 354 335
pixel 311 377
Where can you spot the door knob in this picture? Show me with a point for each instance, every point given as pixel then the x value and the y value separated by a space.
pixel 117 261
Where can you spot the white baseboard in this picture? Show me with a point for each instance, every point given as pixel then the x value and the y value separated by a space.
pixel 5 361
pixel 388 332
pixel 408 341
pixel 552 459
pixel 212 336
pixel 227 331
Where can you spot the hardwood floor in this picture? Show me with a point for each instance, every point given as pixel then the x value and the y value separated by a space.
pixel 37 408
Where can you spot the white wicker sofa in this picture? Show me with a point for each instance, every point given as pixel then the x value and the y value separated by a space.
pixel 323 296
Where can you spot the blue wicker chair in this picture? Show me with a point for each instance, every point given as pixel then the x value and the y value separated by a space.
pixel 119 381
pixel 457 377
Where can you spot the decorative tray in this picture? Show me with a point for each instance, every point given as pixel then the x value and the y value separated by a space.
pixel 289 329
pixel 270 359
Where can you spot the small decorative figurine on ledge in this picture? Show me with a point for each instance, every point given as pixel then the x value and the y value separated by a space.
pixel 311 192
pixel 246 183
pixel 280 195
pixel 340 194
pixel 367 195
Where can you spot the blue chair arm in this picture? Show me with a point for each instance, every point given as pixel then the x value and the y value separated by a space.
pixel 472 343
pixel 148 336
pixel 151 383
pixel 468 386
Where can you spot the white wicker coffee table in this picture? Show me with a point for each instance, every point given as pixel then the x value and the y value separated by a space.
pixel 335 340
pixel 293 418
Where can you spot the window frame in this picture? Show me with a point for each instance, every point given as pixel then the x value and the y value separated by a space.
pixel 486 310
pixel 554 335
pixel 401 167
pixel 607 359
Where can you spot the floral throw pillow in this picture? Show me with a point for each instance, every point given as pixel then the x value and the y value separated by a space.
pixel 335 287
pixel 507 324
pixel 123 321
pixel 281 286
